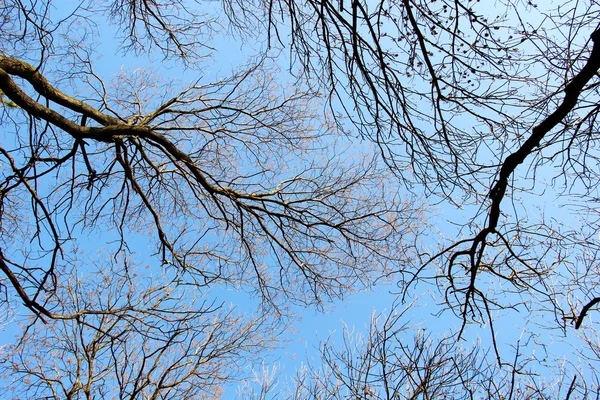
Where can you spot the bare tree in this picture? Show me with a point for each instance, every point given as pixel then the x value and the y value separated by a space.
pixel 477 107
pixel 206 161
pixel 243 182
pixel 395 359
pixel 236 183
pixel 150 338
pixel 489 107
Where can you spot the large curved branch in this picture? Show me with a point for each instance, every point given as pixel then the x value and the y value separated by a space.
pixel 111 129
pixel 13 66
pixel 293 223
pixel 572 92
pixel 584 311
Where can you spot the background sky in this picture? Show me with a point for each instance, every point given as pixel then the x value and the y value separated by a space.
pixel 356 310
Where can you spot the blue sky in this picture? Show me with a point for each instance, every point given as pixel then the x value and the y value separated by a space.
pixel 355 310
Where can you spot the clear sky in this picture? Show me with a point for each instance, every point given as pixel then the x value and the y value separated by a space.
pixel 301 343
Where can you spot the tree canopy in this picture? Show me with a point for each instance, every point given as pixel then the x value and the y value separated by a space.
pixel 314 169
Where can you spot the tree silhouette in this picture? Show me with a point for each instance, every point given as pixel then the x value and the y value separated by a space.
pixel 476 108
pixel 237 183
pixel 243 182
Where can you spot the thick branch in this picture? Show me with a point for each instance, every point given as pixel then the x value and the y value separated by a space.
pixel 13 66
pixel 584 311
pixel 112 128
pixel 572 92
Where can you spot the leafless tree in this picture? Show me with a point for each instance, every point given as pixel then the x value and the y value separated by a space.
pixel 479 106
pixel 225 175
pixel 149 338
pixel 395 359
pixel 490 106
pixel 241 182
pixel 238 182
